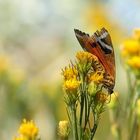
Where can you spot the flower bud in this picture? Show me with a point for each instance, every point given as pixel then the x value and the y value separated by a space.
pixel 63 129
pixel 101 97
pixel 92 89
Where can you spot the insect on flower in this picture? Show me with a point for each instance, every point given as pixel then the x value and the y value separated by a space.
pixel 100 45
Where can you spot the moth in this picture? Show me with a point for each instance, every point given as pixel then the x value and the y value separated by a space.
pixel 100 45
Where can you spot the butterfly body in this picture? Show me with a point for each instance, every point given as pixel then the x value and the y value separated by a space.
pixel 100 45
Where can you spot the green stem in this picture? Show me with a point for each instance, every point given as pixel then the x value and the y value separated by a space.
pixel 74 120
pixel 82 99
pixel 132 132
pixel 81 109
pixel 86 108
pixel 81 115
pixel 82 102
pixel 93 131
pixel 87 117
pixel 133 118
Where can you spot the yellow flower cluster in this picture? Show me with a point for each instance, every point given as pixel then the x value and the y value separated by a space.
pixel 70 78
pixel 71 85
pixel 27 130
pixel 85 57
pixel 101 97
pixel 96 77
pixel 134 62
pixel 70 73
pixel 131 50
pixel 85 61
pixel 130 47
pixel 63 129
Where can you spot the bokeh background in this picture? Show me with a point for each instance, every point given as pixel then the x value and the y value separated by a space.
pixel 36 41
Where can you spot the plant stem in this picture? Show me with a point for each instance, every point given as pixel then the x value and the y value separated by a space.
pixel 82 102
pixel 93 131
pixel 87 117
pixel 81 109
pixel 133 118
pixel 74 124
pixel 132 133
pixel 81 115
pixel 86 108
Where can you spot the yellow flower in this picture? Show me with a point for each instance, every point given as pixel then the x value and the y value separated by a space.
pixel 130 47
pixel 71 85
pixel 92 89
pixel 134 62
pixel 85 61
pixel 97 77
pixel 101 97
pixel 63 129
pixel 70 73
pixel 85 57
pixel 28 129
pixel 137 33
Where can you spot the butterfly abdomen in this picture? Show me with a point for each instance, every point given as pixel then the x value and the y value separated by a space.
pixel 97 66
pixel 108 81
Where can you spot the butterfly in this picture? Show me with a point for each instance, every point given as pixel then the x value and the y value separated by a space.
pixel 100 45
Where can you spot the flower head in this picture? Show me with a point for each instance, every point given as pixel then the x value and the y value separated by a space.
pixel 28 129
pixel 131 53
pixel 63 129
pixel 70 73
pixel 85 60
pixel 101 97
pixel 71 85
pixel 84 57
pixel 134 62
pixel 96 77
pixel 130 47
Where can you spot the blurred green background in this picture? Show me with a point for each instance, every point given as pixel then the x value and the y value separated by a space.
pixel 36 41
